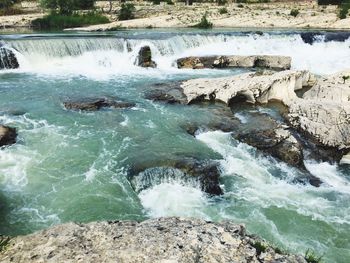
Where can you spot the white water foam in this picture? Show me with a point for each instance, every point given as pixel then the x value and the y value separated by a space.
pixel 266 182
pixel 173 199
pixel 100 58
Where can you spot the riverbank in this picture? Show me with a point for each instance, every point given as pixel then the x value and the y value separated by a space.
pixel 156 240
pixel 263 15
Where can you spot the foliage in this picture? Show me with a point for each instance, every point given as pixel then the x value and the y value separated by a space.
pixel 6 4
pixel 311 257
pixel 126 12
pixel 259 247
pixel 156 2
pixel 61 21
pixel 3 242
pixel 204 23
pixel 344 10
pixel 169 2
pixel 294 12
pixel 223 11
pixel 67 6
pixel 222 2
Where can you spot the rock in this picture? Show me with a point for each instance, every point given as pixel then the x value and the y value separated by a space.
pixel 252 87
pixel 144 58
pixel 277 142
pixel 8 135
pixel 345 159
pixel 311 37
pixel 8 59
pixel 156 240
pixel 94 104
pixel 187 170
pixel 170 93
pixel 323 113
pixel 268 62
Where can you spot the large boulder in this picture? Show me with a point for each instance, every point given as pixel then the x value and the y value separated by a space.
pixel 187 170
pixel 155 240
pixel 267 62
pixel 94 104
pixel 144 58
pixel 8 59
pixel 8 135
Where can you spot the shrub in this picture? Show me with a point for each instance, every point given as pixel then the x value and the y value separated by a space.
pixel 5 4
pixel 156 2
pixel 223 11
pixel 311 257
pixel 344 10
pixel 204 23
pixel 222 2
pixel 126 12
pixel 294 12
pixel 67 6
pixel 61 21
pixel 169 2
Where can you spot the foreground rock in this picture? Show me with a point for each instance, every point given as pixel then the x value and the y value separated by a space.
pixel 268 62
pixel 8 59
pixel 94 104
pixel 144 58
pixel 156 240
pixel 7 135
pixel 249 87
pixel 189 171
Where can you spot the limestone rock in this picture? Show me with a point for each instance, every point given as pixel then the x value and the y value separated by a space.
pixel 7 135
pixel 155 240
pixel 94 104
pixel 144 58
pixel 268 62
pixel 254 87
pixel 8 59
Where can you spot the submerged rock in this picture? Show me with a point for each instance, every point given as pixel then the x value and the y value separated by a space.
pixel 168 93
pixel 144 58
pixel 8 59
pixel 94 104
pixel 268 62
pixel 156 240
pixel 204 173
pixel 8 135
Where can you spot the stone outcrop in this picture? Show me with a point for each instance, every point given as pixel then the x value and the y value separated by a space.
pixel 94 104
pixel 323 113
pixel 8 59
pixel 144 58
pixel 156 240
pixel 204 173
pixel 170 93
pixel 252 87
pixel 267 62
pixel 8 135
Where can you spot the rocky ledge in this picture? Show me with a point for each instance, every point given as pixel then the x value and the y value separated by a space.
pixel 268 62
pixel 156 240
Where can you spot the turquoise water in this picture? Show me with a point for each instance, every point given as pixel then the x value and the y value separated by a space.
pixel 72 166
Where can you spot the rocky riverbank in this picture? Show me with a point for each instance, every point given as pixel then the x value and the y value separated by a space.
pixel 267 15
pixel 155 240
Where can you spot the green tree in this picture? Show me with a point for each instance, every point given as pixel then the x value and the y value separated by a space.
pixel 5 4
pixel 66 7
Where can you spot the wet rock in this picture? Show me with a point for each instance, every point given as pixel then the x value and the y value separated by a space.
pixel 312 37
pixel 187 170
pixel 8 135
pixel 167 93
pixel 156 240
pixel 267 62
pixel 278 142
pixel 8 59
pixel 94 104
pixel 144 58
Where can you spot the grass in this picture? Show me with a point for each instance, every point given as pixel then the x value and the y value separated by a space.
pixel 311 257
pixel 58 21
pixel 204 23
pixel 259 247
